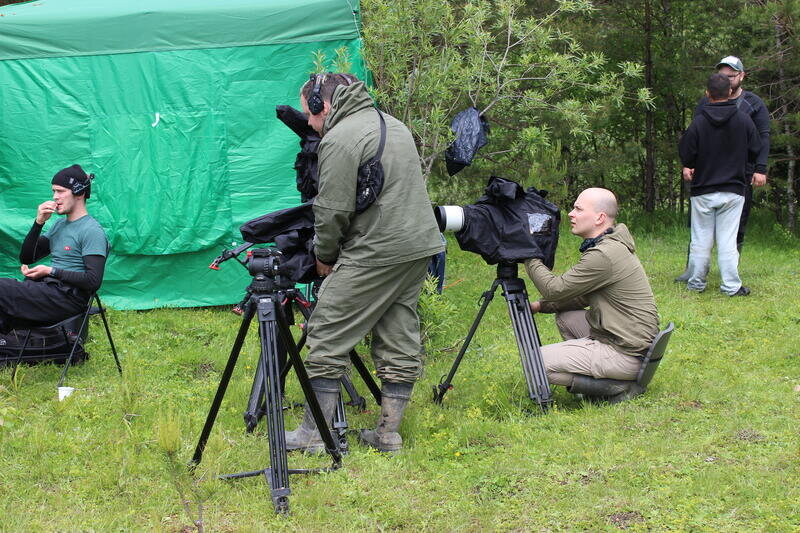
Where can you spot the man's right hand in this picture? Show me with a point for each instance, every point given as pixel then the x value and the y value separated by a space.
pixel 536 306
pixel 688 174
pixel 46 209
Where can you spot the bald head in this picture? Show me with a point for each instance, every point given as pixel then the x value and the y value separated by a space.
pixel 594 212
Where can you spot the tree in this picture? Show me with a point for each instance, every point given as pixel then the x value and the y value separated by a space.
pixel 514 63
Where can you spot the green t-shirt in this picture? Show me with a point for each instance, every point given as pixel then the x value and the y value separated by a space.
pixel 70 241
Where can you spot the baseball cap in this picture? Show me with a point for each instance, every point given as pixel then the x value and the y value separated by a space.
pixel 732 61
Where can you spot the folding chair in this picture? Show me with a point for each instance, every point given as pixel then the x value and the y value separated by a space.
pixel 77 340
pixel 615 391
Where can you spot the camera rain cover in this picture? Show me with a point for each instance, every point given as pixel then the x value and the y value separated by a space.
pixel 292 231
pixel 305 164
pixel 509 224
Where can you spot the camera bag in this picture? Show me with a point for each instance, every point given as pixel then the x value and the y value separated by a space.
pixel 44 345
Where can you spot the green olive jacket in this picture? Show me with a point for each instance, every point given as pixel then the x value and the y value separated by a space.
pixel 610 281
pixel 400 225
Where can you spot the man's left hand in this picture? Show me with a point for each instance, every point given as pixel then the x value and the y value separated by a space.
pixel 759 179
pixel 39 271
pixel 323 269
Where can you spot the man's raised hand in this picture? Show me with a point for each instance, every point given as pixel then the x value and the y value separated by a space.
pixel 46 209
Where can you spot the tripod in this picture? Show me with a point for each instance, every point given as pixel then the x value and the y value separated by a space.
pixel 269 295
pixel 257 403
pixel 525 332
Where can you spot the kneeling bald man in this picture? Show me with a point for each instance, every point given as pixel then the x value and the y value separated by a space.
pixel 604 306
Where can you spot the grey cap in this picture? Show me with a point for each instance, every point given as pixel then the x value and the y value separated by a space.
pixel 732 61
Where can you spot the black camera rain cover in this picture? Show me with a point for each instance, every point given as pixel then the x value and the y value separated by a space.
pixel 471 131
pixel 292 231
pixel 305 164
pixel 509 224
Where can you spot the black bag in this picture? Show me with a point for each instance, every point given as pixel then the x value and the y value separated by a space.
pixel 472 132
pixel 44 345
pixel 369 183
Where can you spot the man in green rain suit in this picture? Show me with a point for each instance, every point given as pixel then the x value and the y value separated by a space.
pixel 374 261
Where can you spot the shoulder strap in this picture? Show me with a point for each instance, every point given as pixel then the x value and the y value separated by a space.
pixel 379 153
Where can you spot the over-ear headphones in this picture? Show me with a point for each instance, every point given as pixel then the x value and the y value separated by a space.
pixel 315 102
pixel 78 187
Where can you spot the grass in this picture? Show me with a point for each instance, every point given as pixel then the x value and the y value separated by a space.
pixel 712 446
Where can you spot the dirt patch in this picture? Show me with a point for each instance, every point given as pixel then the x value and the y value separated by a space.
pixel 624 520
pixel 750 435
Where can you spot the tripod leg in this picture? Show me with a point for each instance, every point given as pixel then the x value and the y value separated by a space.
pixel 445 384
pixel 223 385
pixel 340 424
pixel 363 371
pixel 356 400
pixel 278 473
pixel 255 408
pixel 528 342
pixel 311 399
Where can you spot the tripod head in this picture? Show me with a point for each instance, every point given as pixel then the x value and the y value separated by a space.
pixel 507 271
pixel 264 264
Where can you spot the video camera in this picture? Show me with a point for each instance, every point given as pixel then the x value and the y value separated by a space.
pixel 506 225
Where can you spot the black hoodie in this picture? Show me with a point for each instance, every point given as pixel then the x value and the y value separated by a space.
pixel 754 107
pixel 718 144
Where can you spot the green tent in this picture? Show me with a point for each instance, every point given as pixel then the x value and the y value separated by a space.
pixel 172 105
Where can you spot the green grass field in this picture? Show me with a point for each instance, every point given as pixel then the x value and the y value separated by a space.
pixel 712 446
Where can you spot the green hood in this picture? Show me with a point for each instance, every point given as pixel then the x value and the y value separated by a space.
pixel 346 100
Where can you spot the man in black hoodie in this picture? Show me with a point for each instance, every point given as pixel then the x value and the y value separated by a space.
pixel 754 107
pixel 715 152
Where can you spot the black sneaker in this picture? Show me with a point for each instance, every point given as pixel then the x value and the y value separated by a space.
pixel 743 291
pixel 683 278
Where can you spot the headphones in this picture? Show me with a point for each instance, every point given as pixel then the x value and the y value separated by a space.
pixel 79 187
pixel 315 102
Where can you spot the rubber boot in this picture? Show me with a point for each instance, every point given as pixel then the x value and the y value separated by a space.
pixel 307 437
pixel 608 390
pixel 385 438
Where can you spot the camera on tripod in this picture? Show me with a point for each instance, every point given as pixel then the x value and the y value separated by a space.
pixel 506 226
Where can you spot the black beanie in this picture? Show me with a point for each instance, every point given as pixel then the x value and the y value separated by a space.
pixel 74 179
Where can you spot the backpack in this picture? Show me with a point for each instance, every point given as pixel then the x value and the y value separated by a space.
pixel 45 345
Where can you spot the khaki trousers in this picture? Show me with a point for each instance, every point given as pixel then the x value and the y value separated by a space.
pixel 354 301
pixel 579 354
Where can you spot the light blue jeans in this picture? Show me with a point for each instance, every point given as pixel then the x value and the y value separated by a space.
pixel 715 216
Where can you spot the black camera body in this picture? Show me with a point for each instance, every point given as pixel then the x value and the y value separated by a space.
pixel 506 225
pixel 265 261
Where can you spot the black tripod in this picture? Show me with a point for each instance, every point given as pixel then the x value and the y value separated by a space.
pixel 257 403
pixel 269 296
pixel 525 332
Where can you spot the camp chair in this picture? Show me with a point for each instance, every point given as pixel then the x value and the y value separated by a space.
pixel 615 391
pixel 74 341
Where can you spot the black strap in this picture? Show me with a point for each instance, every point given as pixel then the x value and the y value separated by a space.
pixel 379 153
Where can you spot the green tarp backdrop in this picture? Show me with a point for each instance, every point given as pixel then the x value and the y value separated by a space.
pixel 171 103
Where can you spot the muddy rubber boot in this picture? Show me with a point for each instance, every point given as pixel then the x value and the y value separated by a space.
pixel 385 438
pixel 307 437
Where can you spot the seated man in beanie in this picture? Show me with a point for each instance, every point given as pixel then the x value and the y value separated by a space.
pixel 607 340
pixel 78 246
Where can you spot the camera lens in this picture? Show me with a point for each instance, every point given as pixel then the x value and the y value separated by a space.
pixel 449 217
